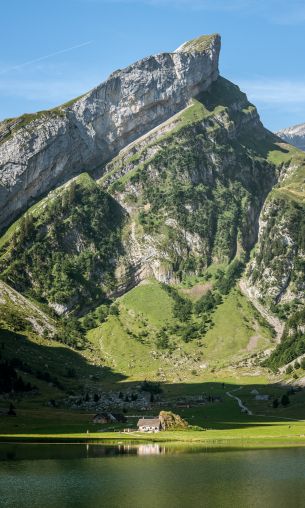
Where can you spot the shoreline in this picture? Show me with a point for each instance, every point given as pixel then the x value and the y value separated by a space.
pixel 169 442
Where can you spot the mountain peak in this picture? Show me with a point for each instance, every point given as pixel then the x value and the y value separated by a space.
pixel 200 44
pixel 294 135
pixel 40 151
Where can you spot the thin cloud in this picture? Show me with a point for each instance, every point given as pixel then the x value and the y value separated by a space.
pixel 47 91
pixel 44 57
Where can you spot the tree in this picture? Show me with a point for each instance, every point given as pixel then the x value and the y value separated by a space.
pixel 26 227
pixel 162 341
pixel 285 400
pixel 182 309
pixel 114 310
pixel 206 303
pixel 11 411
pixel 275 403
pixel 289 369
pixel 88 322
pixel 71 193
pixel 96 397
pixel 151 386
pixel 102 313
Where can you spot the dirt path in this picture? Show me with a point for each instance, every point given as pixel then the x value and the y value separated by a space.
pixel 239 401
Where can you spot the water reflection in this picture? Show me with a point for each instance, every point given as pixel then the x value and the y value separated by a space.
pixel 11 452
pixel 150 449
pixel 149 476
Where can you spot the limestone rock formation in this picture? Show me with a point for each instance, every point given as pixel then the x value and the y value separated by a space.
pixel 38 152
pixel 171 421
pixel 160 172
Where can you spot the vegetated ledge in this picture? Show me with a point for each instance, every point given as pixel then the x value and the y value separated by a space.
pixel 170 439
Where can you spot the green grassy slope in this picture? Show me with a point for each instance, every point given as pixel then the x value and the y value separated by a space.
pixel 194 192
pixel 129 342
pixel 58 251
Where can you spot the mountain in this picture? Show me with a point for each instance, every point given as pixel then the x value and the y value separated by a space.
pixel 41 150
pixel 294 135
pixel 157 224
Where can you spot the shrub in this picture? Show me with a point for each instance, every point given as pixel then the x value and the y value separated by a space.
pixel 150 386
pixel 275 403
pixel 285 400
pixel 114 310
pixel 206 303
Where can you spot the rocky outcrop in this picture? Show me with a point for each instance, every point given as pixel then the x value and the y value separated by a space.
pixel 171 421
pixel 277 269
pixel 186 194
pixel 294 135
pixel 15 307
pixel 38 152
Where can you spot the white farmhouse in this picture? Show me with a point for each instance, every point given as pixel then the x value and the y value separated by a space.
pixel 149 425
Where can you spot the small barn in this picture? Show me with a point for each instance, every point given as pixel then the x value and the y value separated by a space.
pixel 149 425
pixel 103 418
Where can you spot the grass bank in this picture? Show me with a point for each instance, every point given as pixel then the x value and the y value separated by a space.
pixel 251 433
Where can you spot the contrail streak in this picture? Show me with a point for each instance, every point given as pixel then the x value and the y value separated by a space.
pixel 45 57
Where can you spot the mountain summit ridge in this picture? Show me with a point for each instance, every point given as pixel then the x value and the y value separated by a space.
pixel 38 152
pixel 148 196
pixel 294 135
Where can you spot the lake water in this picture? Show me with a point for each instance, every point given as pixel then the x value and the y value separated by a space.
pixel 149 476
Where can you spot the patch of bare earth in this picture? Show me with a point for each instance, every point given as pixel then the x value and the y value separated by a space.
pixel 253 341
pixel 197 291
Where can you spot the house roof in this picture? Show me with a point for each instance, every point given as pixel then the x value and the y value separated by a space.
pixel 149 422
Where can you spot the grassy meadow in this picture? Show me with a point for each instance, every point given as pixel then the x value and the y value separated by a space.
pixel 123 351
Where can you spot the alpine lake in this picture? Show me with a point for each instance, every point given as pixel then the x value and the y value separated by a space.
pixel 149 476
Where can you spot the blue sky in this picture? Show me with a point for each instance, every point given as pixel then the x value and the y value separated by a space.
pixel 54 50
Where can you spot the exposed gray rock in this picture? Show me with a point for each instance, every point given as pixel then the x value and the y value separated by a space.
pixel 294 135
pixel 38 153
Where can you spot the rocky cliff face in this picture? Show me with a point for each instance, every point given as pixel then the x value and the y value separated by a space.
pixel 183 176
pixel 277 269
pixel 192 192
pixel 38 152
pixel 294 135
pixel 183 196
